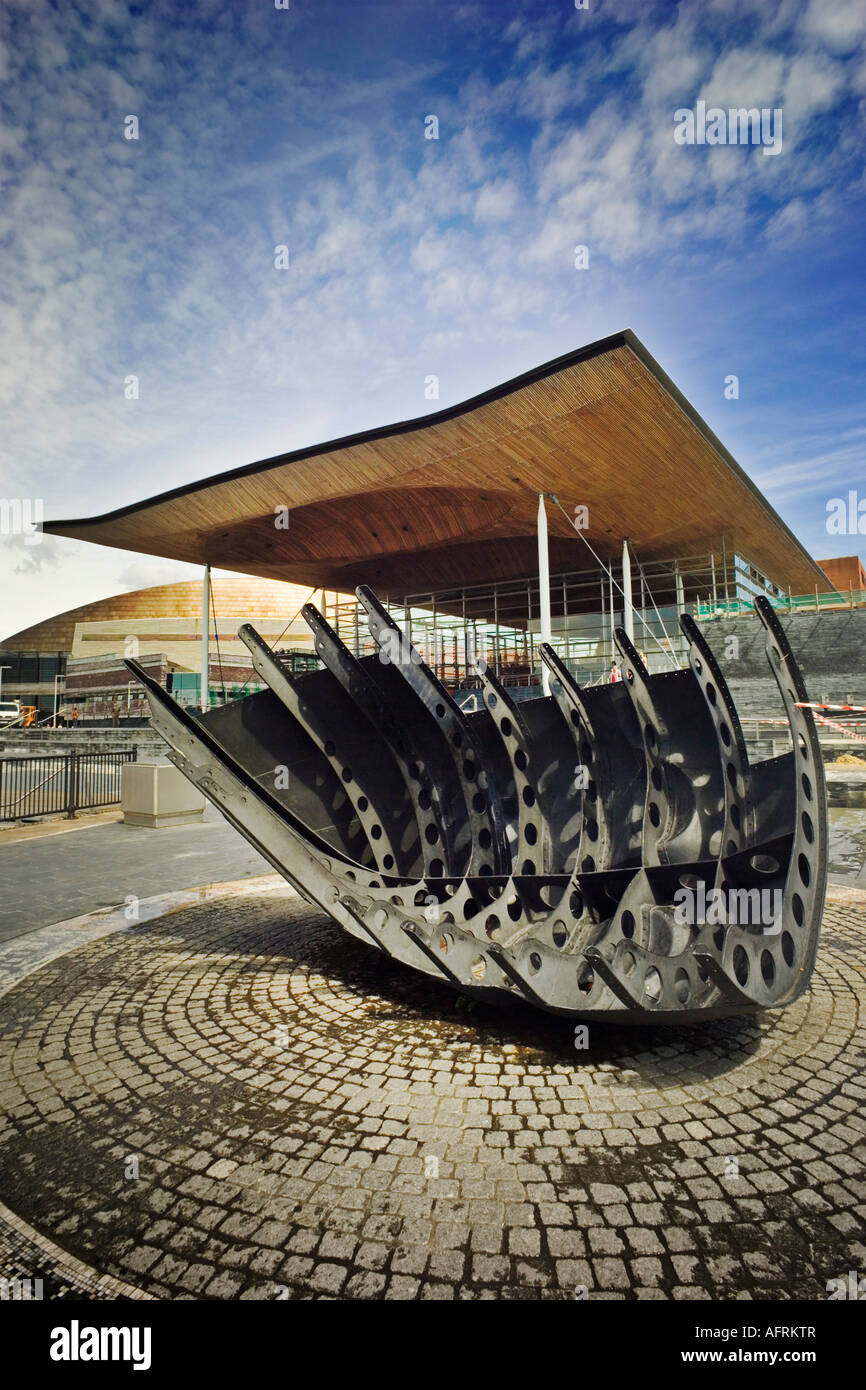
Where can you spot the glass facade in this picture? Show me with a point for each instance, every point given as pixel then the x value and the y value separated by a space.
pixel 32 668
pixel 185 689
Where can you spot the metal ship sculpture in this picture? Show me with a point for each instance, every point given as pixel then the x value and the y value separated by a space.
pixel 604 852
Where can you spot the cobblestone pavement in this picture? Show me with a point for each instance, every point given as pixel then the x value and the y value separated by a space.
pixel 308 1119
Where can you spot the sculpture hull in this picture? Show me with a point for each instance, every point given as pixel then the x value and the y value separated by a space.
pixel 602 852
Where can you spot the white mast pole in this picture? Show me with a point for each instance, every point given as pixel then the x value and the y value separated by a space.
pixel 205 638
pixel 627 609
pixel 544 585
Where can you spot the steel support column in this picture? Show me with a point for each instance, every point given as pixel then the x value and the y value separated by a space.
pixel 544 585
pixel 205 642
pixel 627 609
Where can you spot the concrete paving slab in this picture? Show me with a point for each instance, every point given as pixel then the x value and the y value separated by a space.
pixel 54 876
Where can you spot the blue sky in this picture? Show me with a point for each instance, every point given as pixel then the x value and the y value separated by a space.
pixel 410 257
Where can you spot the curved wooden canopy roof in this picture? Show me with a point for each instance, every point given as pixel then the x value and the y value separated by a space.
pixel 450 499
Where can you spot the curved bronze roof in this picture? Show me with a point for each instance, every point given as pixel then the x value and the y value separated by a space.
pixel 450 498
pixel 234 600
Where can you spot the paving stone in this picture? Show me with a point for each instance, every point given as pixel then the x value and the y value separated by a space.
pixel 447 1265
pixel 611 1274
pixel 574 1274
pixel 490 1269
pixel 329 1278
pixel 524 1242
pixel 336 1246
pixel 224 1285
pixel 604 1242
pixel 401 1287
pixel 487 1239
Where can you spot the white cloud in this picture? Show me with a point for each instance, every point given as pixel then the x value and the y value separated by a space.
pixel 812 84
pixel 745 77
pixel 496 201
pixel 840 25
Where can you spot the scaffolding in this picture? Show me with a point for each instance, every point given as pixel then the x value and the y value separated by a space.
pixel 500 621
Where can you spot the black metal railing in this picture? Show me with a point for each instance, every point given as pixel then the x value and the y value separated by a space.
pixel 59 782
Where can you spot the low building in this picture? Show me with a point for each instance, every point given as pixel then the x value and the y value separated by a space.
pixel 846 574
pixel 77 656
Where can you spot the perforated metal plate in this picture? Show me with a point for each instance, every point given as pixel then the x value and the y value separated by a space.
pixel 606 851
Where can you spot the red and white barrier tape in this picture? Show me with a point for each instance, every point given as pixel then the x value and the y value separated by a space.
pixel 808 704
pixel 831 724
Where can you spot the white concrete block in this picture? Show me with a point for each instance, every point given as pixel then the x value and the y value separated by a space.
pixel 157 795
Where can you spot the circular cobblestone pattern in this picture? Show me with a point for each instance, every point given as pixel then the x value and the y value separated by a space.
pixel 307 1119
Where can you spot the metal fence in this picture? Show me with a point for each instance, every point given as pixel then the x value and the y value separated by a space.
pixel 60 782
pixel 806 603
